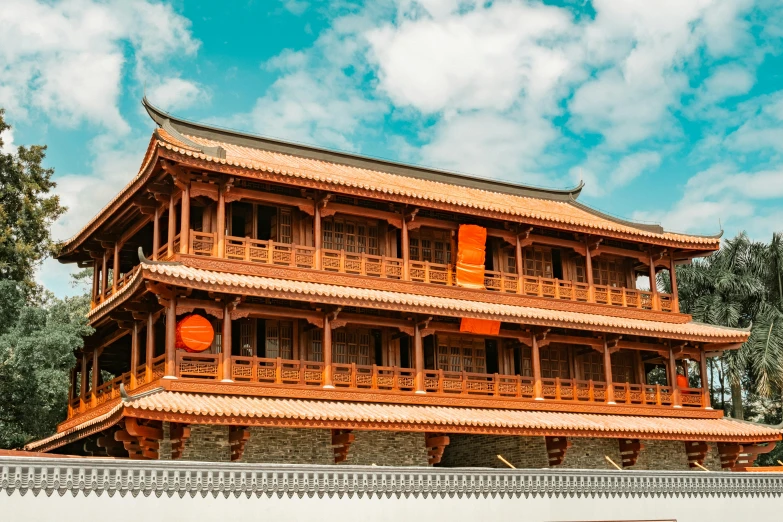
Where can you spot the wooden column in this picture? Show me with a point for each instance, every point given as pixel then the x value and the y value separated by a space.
pixel 115 272
pixel 96 274
pixel 705 386
pixel 150 347
pixel 536 357
pixel 656 305
pixel 589 274
pixel 96 372
pixel 156 232
pixel 418 359
pixel 104 275
pixel 184 226
pixel 172 226
pixel 317 236
pixel 327 351
pixel 673 277
pixel 171 338
pixel 406 254
pixel 520 268
pixel 134 362
pixel 71 392
pixel 83 380
pixel 221 222
pixel 641 378
pixel 673 378
pixel 225 344
pixel 608 374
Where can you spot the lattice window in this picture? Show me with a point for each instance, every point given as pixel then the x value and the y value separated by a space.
pixel 609 272
pixel 580 272
pixel 538 262
pixel 526 364
pixel 280 339
pixel 623 368
pixel 316 352
pixel 352 346
pixel 247 337
pixel 593 367
pixel 351 235
pixel 433 245
pixel 282 226
pixel 554 362
pixel 458 353
pixel 511 261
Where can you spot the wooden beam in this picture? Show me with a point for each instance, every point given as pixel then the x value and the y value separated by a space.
pixel 303 204
pixel 391 218
pixel 556 448
pixel 237 439
pixel 629 451
pixel 341 442
pixel 435 443
pixel 276 312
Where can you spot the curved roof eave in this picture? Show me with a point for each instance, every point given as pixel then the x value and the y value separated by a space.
pixel 187 127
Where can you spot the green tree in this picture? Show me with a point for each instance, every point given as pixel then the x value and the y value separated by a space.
pixel 27 211
pixel 36 353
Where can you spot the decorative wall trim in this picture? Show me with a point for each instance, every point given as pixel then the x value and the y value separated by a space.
pixel 23 475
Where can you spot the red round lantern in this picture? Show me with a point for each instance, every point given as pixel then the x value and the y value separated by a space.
pixel 194 333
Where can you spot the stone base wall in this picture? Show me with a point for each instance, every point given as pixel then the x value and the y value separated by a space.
pixel 387 448
pixel 584 453
pixel 289 446
pixel 207 443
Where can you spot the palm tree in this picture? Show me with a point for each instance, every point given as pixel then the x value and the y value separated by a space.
pixel 740 286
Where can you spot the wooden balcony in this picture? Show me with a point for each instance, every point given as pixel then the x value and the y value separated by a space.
pixel 438 383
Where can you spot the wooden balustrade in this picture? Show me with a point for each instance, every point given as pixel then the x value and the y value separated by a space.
pixel 111 389
pixel 197 366
pixel 436 273
pixel 202 243
pixel 269 252
pixel 276 371
pixel 361 264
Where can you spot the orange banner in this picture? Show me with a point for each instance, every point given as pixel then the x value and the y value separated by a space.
pixel 470 256
pixel 479 326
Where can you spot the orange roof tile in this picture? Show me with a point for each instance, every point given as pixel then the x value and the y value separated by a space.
pixel 306 291
pixel 587 424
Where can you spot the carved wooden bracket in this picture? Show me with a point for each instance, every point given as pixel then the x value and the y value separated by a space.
pixel 341 441
pixel 140 440
pixel 327 212
pixel 111 447
pixel 178 434
pixel 556 449
pixel 738 457
pixel 337 323
pixel 435 443
pixel 237 438
pixel 697 453
pixel 629 451
pixel 209 190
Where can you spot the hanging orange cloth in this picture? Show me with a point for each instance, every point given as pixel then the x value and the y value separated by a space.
pixel 479 326
pixel 194 333
pixel 470 256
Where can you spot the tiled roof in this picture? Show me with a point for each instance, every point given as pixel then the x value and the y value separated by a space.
pixel 443 416
pixel 307 291
pixel 554 212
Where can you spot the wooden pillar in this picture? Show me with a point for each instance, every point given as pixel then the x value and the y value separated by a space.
pixel 171 338
pixel 83 380
pixel 96 372
pixel 705 386
pixel 641 377
pixel 673 277
pixel 535 355
pixel 520 268
pixel 225 344
pixel 150 347
pixel 184 239
pixel 71 392
pixel 608 374
pixel 673 378
pixel 406 250
pixel 115 273
pixel 327 351
pixel 104 275
pixel 172 226
pixel 418 359
pixel 156 232
pixel 589 274
pixel 317 236
pixel 221 222
pixel 653 285
pixel 96 274
pixel 134 362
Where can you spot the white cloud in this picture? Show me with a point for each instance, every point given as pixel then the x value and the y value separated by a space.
pixel 604 172
pixel 67 59
pixel 176 93
pixel 296 7
pixel 763 128
pixel 7 142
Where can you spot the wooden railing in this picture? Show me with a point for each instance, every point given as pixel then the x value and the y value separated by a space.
pixel 276 371
pixel 467 383
pixel 373 377
pixel 436 273
pixel 198 366
pixel 111 389
pixel 647 394
pixel 361 264
pixel 202 243
pixel 573 390
pixel 269 252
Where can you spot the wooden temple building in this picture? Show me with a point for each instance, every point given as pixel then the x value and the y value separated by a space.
pixel 340 330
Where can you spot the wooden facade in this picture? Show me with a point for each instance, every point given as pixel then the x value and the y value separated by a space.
pixel 320 289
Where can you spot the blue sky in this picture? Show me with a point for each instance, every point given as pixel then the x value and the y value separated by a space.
pixel 670 111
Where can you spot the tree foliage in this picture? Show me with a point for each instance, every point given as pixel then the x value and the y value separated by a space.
pixel 36 353
pixel 27 211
